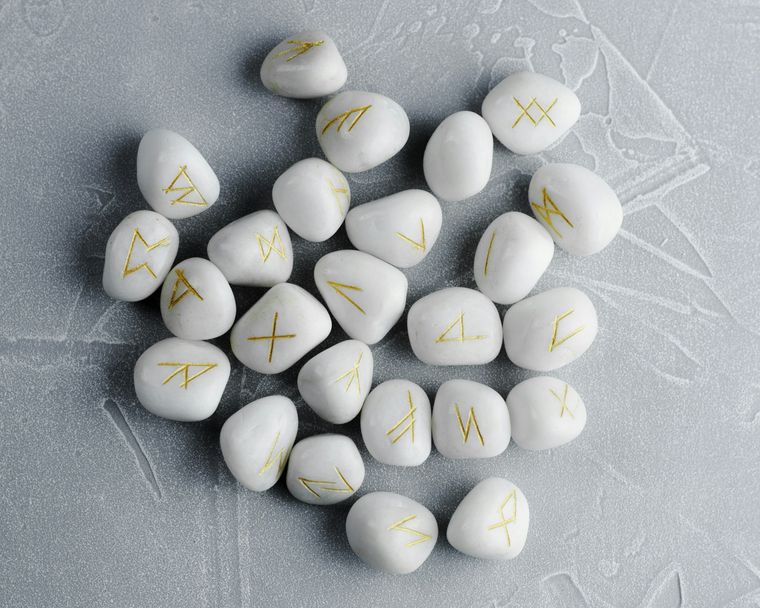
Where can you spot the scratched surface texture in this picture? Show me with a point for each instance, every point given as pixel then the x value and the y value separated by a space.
pixel 654 506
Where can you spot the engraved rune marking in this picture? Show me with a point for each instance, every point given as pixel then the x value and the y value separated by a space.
pixel 280 458
pixel 506 519
pixel 488 254
pixel 338 191
pixel 353 374
pixel 326 486
pixel 184 369
pixel 465 429
pixel 400 527
pixel 186 190
pixel 136 236
pixel 458 322
pixel 274 244
pixel 409 428
pixel 341 118
pixel 545 212
pixel 563 403
pixel 555 327
pixel 189 289
pixel 299 48
pixel 421 244
pixel 544 113
pixel 339 287
pixel 273 337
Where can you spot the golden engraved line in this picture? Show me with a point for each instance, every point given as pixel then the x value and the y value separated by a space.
pixel 184 369
pixel 421 244
pixel 344 116
pixel 488 254
pixel 135 236
pixel 326 486
pixel 301 47
pixel 281 457
pixel 175 299
pixel 339 287
pixel 338 191
pixel 400 527
pixel 525 112
pixel 353 374
pixel 546 213
pixel 555 327
pixel 563 403
pixel 409 428
pixel 465 430
pixel 185 190
pixel 273 337
pixel 505 521
pixel 272 245
pixel 461 337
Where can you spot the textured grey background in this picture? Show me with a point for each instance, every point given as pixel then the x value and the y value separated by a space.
pixel 656 505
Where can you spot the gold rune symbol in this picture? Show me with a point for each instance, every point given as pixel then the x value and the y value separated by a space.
pixel 326 486
pixel 409 428
pixel 506 520
pixel 400 527
pixel 300 47
pixel 280 458
pixel 353 374
pixel 273 337
pixel 185 190
pixel 135 237
pixel 465 430
pixel 338 191
pixel 272 245
pixel 555 326
pixel 458 322
pixel 176 299
pixel 525 112
pixel 339 287
pixel 546 213
pixel 344 116
pixel 563 403
pixel 421 244
pixel 184 369
pixel 488 254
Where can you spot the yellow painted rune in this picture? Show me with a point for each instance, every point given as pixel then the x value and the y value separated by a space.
pixel 341 119
pixel 549 208
pixel 460 337
pixel 184 369
pixel 488 254
pixel 338 191
pixel 353 374
pixel 299 48
pixel 408 418
pixel 136 236
pixel 326 486
pixel 510 518
pixel 465 429
pixel 555 342
pixel 189 289
pixel 186 187
pixel 280 458
pixel 563 403
pixel 273 337
pixel 421 244
pixel 273 244
pixel 339 287
pixel 543 113
pixel 399 526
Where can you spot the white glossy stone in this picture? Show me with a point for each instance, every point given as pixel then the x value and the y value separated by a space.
pixel 139 254
pixel 491 522
pixel 454 326
pixel 279 329
pixel 197 302
pixel 312 197
pixel 304 65
pixel 365 295
pixel 545 413
pixel 324 469
pixel 580 211
pixel 173 176
pixel 257 439
pixel 512 254
pixel 390 532
pixel 396 423
pixel 458 157
pixel 470 420
pixel 528 112
pixel 400 229
pixel 359 130
pixel 181 379
pixel 551 329
pixel 254 250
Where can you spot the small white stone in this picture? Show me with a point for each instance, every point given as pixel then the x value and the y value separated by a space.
pixel 197 302
pixel 173 176
pixel 545 413
pixel 399 229
pixel 139 254
pixel 551 329
pixel 324 469
pixel 470 420
pixel 365 295
pixel 279 329
pixel 312 197
pixel 359 130
pixel 304 65
pixel 396 423
pixel 491 522
pixel 458 157
pixel 512 254
pixel 390 532
pixel 580 211
pixel 256 441
pixel 528 112
pixel 454 326
pixel 254 250
pixel 181 379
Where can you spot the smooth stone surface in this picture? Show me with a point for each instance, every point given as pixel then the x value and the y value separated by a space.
pixel 279 329
pixel 470 420
pixel 396 423
pixel 458 157
pixel 528 112
pixel 580 211
pixel 400 229
pixel 304 65
pixel 359 130
pixel 173 176
pixel 365 295
pixel 551 329
pixel 491 522
pixel 512 255
pixel 257 439
pixel 312 197
pixel 454 326
pixel 390 532
pixel 324 469
pixel 197 302
pixel 139 254
pixel 254 250
pixel 545 413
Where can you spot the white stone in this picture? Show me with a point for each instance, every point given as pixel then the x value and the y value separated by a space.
pixel 396 423
pixel 173 176
pixel 254 250
pixel 400 229
pixel 279 329
pixel 365 295
pixel 528 112
pixel 454 326
pixel 324 469
pixel 359 130
pixel 458 157
pixel 470 420
pixel 139 254
pixel 312 197
pixel 336 382
pixel 551 329
pixel 257 439
pixel 181 379
pixel 491 522
pixel 512 254
pixel 390 532
pixel 580 211
pixel 545 413
pixel 197 302
pixel 304 65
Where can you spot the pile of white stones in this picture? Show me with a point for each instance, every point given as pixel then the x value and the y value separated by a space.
pixel 183 378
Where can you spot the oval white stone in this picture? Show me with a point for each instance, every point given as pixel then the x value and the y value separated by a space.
pixel 528 112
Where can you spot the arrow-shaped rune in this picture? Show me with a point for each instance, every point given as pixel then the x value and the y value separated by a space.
pixel 326 486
